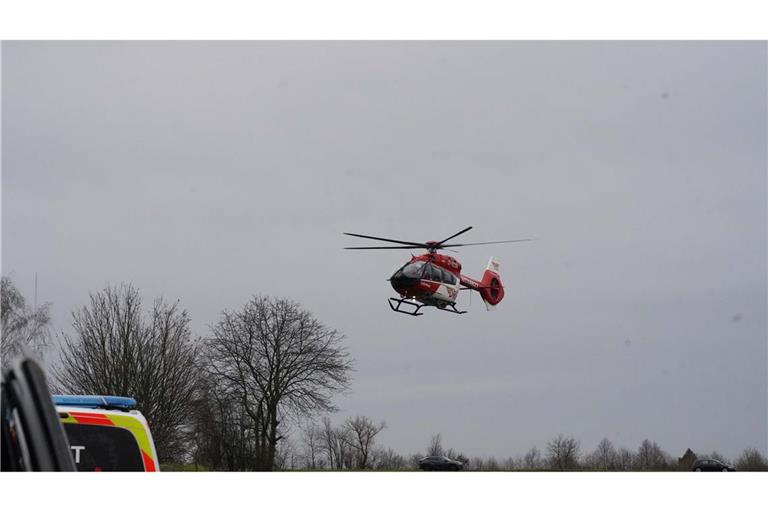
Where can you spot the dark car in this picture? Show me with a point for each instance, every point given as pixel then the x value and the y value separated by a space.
pixel 439 463
pixel 711 465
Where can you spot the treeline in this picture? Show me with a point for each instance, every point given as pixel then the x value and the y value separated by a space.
pixel 320 447
pixel 247 396
pixel 332 448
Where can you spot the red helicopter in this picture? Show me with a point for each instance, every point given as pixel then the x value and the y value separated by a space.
pixel 434 279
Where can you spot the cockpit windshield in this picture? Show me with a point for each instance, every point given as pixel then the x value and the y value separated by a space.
pixel 423 270
pixel 413 270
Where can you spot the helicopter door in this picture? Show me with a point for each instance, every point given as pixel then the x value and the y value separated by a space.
pixel 446 291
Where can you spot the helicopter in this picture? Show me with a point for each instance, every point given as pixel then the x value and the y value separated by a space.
pixel 434 280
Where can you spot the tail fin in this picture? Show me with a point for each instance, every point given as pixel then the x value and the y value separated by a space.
pixel 492 291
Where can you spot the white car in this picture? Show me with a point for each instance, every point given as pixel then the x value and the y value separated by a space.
pixel 106 433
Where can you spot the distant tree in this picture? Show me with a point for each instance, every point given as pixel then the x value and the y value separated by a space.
pixel 751 460
pixel 119 349
pixel 491 464
pixel 532 459
pixel 625 459
pixel 388 459
pixel 312 439
pixel 563 453
pixel 281 360
pixel 362 432
pixel 435 447
pixel 23 327
pixel 223 433
pixel 337 445
pixel 686 461
pixel 650 457
pixel 328 440
pixel 604 458
pixel 476 464
pixel 285 456
pixel 413 459
pixel 346 449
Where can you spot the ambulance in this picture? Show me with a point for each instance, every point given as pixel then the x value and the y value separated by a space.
pixel 106 433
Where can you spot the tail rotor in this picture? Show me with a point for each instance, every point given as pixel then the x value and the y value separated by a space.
pixel 492 291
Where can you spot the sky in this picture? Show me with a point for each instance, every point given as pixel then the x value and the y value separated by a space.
pixel 211 171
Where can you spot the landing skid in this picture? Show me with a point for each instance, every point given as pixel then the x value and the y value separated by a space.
pixel 452 310
pixel 400 302
pixel 396 304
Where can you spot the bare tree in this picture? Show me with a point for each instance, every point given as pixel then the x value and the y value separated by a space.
pixel 117 349
pixel 281 360
pixel 532 459
pixel 435 447
pixel 224 436
pixel 312 438
pixel 414 459
pixel 337 445
pixel 344 449
pixel 751 460
pixel 23 327
pixel 373 458
pixel 604 458
pixel 625 460
pixel 687 460
pixel 509 464
pixel 388 459
pixel 650 457
pixel 476 464
pixel 285 456
pixel 329 443
pixel 563 452
pixel 362 431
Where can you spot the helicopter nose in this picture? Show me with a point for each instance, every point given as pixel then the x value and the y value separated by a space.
pixel 402 284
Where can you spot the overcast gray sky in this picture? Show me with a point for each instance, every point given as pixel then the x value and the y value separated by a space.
pixel 209 172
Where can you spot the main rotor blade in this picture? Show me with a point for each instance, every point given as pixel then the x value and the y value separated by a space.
pixel 390 247
pixel 489 243
pixel 418 244
pixel 454 236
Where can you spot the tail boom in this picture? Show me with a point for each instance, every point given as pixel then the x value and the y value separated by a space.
pixel 489 287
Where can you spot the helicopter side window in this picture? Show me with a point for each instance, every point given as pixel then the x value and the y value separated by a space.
pixel 448 277
pixel 433 273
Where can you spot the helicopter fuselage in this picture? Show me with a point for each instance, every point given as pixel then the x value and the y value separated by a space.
pixel 432 279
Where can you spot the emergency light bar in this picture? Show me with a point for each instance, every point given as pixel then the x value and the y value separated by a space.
pixel 95 401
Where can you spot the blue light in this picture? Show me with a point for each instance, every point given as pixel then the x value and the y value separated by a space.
pixel 95 401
